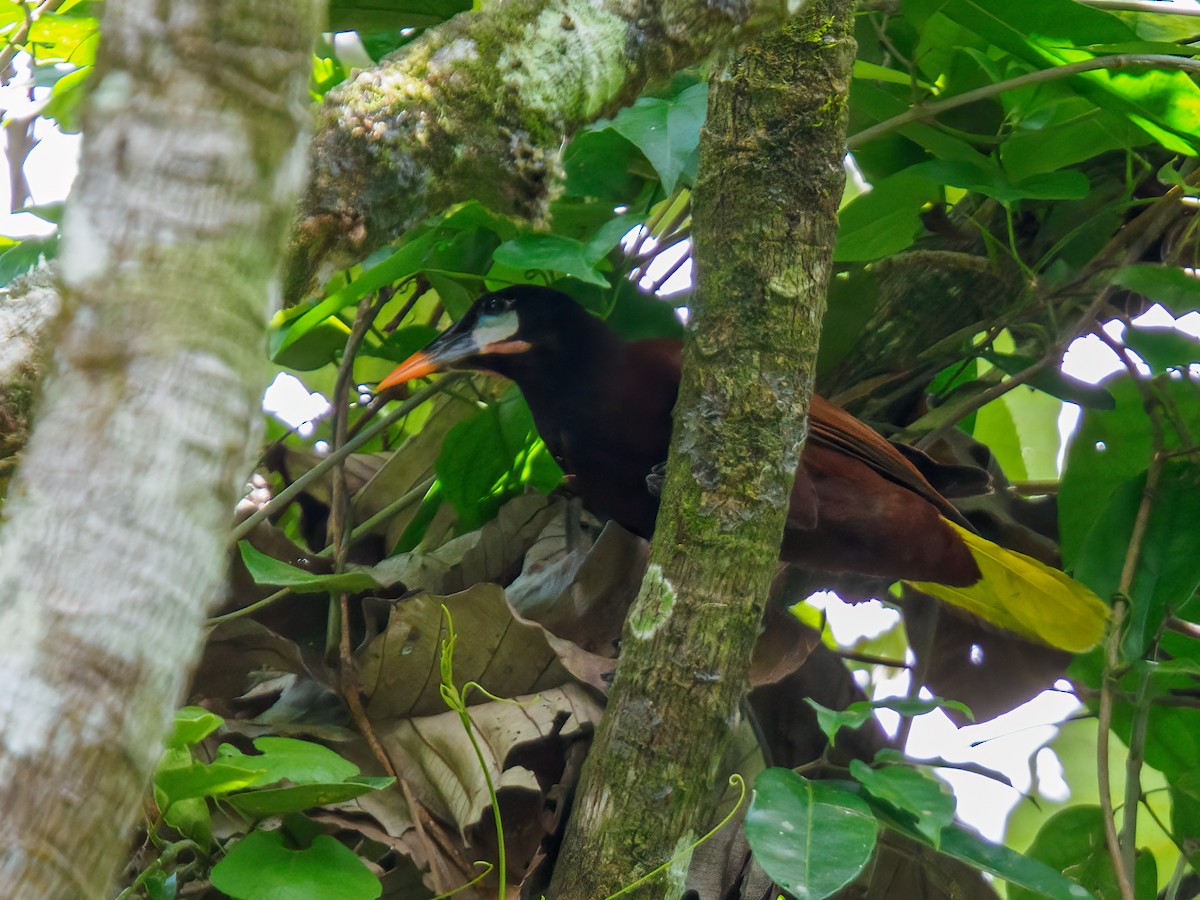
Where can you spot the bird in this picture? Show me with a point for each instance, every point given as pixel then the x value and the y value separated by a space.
pixel 603 407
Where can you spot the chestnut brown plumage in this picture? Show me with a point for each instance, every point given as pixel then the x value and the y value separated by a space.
pixel 603 407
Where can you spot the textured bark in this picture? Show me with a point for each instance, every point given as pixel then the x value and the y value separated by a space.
pixel 115 539
pixel 764 226
pixel 480 108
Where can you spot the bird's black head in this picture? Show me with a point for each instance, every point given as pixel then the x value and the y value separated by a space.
pixel 506 332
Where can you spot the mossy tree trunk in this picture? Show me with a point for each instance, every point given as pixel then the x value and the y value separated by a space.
pixel 114 544
pixel 765 220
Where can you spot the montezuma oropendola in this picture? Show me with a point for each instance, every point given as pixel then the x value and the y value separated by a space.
pixel 603 407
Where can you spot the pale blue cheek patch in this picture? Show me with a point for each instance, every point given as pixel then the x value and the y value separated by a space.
pixel 493 329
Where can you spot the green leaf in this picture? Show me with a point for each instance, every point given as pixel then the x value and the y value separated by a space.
pixel 1162 348
pixel 1046 33
pixel 260 867
pixel 379 15
pixel 811 837
pixel 491 457
pixel 404 262
pixel 910 790
pixel 192 819
pixel 869 71
pixel 885 220
pixel 1166 576
pixel 297 798
pixel 992 181
pixel 192 725
pixel 1086 133
pixel 28 254
pixel 268 570
pixel 1174 288
pixel 1072 842
pixel 599 163
pixel 204 780
pixel 302 762
pixel 1017 870
pixel 553 253
pixel 1110 448
pixel 831 721
pixel 666 131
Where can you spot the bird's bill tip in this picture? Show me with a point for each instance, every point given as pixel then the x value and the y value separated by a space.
pixel 418 365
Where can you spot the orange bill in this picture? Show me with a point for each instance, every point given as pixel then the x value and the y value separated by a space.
pixel 418 365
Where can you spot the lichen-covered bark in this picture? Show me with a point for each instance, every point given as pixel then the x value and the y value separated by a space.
pixel 114 543
pixel 764 226
pixel 480 108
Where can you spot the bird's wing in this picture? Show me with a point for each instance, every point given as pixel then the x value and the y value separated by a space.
pixel 835 428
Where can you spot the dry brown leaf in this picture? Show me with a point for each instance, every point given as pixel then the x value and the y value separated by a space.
pixel 508 656
pixel 433 754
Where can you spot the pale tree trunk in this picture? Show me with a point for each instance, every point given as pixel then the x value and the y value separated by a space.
pixel 764 225
pixel 115 540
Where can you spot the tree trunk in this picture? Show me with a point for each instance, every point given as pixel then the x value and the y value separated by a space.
pixel 481 107
pixel 115 540
pixel 765 221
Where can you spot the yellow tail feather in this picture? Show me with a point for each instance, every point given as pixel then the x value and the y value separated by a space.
pixel 1020 594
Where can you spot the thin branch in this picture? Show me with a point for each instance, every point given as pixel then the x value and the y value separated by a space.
pixel 284 497
pixel 931 110
pixel 1159 7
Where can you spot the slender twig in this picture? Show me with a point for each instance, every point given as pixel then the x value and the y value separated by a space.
pixel 872 659
pixel 930 110
pixel 1104 724
pixel 1125 852
pixel 284 497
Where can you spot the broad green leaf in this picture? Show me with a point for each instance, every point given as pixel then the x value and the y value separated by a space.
pixel 1110 448
pixel 192 725
pixel 885 220
pixel 811 837
pixel 1167 575
pixel 910 790
pixel 302 762
pixel 666 131
pixel 1174 288
pixel 599 163
pixel 297 798
pixel 268 570
pixel 260 867
pixel 552 253
pixel 1072 841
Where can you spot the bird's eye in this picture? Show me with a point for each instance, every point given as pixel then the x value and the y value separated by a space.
pixel 493 306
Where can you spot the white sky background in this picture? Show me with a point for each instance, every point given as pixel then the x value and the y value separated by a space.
pixel 1008 743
